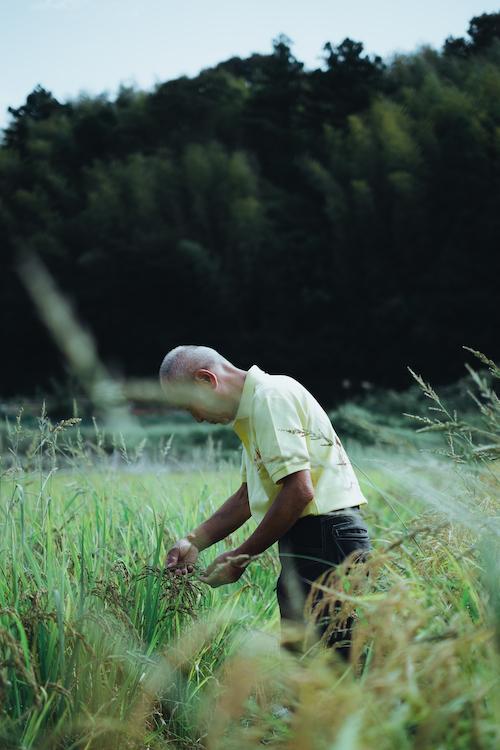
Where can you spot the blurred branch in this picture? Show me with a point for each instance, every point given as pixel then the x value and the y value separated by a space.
pixel 76 344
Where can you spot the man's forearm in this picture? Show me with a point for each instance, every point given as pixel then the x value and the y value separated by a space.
pixel 285 510
pixel 229 517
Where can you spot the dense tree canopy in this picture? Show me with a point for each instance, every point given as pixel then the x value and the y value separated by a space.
pixel 334 224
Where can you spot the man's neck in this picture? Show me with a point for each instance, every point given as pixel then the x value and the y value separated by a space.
pixel 236 382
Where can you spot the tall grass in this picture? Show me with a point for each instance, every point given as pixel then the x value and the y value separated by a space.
pixel 100 649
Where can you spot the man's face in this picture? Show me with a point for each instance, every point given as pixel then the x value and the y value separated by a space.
pixel 202 399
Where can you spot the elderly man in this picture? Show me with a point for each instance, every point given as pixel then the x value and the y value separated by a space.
pixel 301 491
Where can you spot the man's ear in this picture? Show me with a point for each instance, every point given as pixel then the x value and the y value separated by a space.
pixel 205 376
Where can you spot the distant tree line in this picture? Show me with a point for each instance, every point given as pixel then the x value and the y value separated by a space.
pixel 335 224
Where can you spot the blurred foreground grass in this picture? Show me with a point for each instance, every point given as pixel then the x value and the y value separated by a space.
pixel 100 650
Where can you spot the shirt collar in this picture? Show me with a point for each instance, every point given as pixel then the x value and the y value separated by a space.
pixel 253 376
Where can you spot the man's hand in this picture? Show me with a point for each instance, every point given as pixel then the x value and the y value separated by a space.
pixel 226 568
pixel 182 557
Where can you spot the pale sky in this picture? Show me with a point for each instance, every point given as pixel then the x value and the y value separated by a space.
pixel 74 46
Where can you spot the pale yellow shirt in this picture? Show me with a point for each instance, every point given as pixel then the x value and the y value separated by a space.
pixel 270 405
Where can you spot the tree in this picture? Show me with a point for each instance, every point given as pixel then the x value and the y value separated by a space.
pixel 40 105
pixel 271 112
pixel 346 87
pixel 483 31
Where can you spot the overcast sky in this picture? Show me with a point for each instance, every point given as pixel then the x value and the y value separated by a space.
pixel 70 46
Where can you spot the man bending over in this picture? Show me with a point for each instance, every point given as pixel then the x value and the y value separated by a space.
pixel 301 491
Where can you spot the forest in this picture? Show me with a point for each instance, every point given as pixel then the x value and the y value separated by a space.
pixel 337 224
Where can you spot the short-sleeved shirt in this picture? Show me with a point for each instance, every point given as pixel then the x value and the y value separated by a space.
pixel 273 413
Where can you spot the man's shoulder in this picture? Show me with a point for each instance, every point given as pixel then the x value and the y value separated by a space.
pixel 277 395
pixel 282 391
pixel 278 385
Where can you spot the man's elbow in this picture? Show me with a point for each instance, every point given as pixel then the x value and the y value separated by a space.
pixel 305 498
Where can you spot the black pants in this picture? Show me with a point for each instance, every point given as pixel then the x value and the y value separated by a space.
pixel 313 545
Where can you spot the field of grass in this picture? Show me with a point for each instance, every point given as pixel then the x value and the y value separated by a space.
pixel 99 649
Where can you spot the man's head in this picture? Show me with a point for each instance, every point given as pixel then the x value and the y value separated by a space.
pixel 203 382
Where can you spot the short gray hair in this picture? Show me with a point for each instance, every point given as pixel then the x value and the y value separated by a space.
pixel 182 362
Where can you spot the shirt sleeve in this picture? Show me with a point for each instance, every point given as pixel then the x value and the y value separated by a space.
pixel 281 452
pixel 243 468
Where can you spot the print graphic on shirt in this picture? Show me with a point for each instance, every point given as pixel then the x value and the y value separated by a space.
pixel 257 458
pixel 259 462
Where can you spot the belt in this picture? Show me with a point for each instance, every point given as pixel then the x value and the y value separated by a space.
pixel 340 510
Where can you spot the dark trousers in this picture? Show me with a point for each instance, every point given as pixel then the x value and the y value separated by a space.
pixel 313 545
